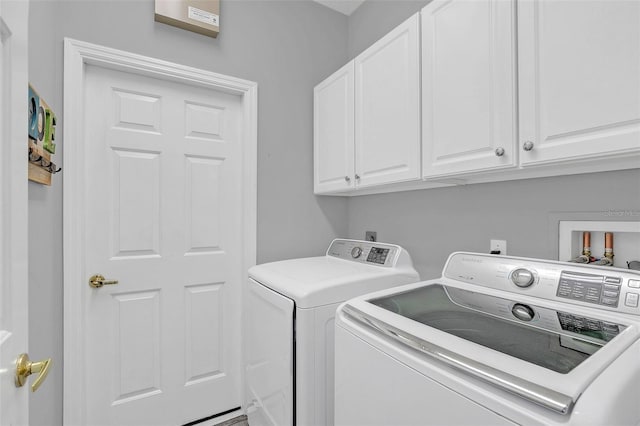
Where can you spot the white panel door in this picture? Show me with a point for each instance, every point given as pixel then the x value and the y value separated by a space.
pixel 269 357
pixel 13 209
pixel 333 136
pixel 163 188
pixel 579 68
pixel 387 102
pixel 469 104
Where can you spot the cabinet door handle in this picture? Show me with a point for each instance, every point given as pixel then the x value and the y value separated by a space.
pixel 499 151
pixel 528 146
pixel 347 179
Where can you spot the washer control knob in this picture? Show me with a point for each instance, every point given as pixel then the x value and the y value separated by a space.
pixel 522 277
pixel 523 312
pixel 356 252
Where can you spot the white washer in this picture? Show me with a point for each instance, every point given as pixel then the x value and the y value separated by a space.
pixel 289 326
pixel 497 340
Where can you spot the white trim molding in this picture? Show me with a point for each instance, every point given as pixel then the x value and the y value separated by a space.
pixel 77 56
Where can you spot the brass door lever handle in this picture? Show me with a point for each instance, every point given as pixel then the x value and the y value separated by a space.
pixel 25 368
pixel 97 281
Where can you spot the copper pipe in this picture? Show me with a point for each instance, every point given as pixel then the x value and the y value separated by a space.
pixel 586 243
pixel 608 245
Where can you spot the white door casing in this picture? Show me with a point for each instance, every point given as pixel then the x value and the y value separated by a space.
pixel 14 401
pixel 469 90
pixel 160 194
pixel 579 63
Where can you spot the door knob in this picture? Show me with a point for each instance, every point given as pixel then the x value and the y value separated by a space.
pixel 25 368
pixel 97 281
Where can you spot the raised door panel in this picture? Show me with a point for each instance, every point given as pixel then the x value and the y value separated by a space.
pixel 468 86
pixel 579 68
pixel 333 132
pixel 387 104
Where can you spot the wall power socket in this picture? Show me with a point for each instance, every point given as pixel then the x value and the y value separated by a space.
pixel 498 247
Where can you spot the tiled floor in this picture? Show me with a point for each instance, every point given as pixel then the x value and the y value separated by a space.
pixel 236 421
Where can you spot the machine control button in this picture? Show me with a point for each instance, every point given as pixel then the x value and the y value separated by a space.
pixel 611 287
pixel 632 300
pixel 523 312
pixel 612 294
pixel 608 301
pixel 356 252
pixel 614 280
pixel 523 277
pixel 634 283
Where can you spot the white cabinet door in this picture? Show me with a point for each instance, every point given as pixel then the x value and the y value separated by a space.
pixel 387 123
pixel 468 86
pixel 333 159
pixel 579 73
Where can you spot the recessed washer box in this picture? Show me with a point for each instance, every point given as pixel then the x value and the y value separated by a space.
pixel 200 16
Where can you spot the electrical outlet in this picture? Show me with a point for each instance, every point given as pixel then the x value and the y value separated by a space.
pixel 371 236
pixel 498 247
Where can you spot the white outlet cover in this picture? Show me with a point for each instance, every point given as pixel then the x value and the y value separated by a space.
pixel 498 245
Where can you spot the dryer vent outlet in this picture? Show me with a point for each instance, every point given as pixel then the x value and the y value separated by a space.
pixel 371 236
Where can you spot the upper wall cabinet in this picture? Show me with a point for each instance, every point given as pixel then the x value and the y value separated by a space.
pixel 367 116
pixel 510 90
pixel 579 69
pixel 333 132
pixel 469 99
pixel 387 108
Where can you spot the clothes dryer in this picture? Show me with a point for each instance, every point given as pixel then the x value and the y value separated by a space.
pixel 289 326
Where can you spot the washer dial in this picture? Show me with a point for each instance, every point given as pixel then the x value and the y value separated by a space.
pixel 523 277
pixel 356 252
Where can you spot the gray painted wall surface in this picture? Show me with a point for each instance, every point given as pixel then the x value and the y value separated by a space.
pixel 433 223
pixel 286 47
pixel 45 226
pixel 375 18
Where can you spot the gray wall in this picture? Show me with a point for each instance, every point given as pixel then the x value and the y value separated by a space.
pixel 286 47
pixel 433 223
pixel 45 226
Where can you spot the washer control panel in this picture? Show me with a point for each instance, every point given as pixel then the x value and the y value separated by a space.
pixel 591 288
pixel 604 287
pixel 372 253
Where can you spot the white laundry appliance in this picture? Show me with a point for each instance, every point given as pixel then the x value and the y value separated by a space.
pixel 289 326
pixel 496 340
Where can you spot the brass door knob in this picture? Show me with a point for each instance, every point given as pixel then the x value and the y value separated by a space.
pixel 25 368
pixel 97 281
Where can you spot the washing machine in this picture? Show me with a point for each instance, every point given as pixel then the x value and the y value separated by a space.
pixel 495 341
pixel 289 315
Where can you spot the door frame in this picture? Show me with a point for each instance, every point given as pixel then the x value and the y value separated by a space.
pixel 77 55
pixel 14 253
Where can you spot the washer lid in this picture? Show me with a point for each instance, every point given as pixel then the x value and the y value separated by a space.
pixel 323 280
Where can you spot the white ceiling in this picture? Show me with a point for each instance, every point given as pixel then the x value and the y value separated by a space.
pixel 343 6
